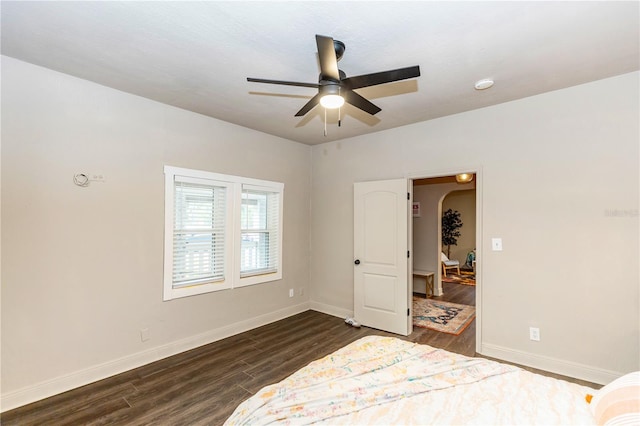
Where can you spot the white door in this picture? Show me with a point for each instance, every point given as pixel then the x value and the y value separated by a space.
pixel 381 290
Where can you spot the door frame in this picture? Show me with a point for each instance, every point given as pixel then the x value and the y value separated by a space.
pixel 477 170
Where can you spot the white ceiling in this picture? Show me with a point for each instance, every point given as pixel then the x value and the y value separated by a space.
pixel 197 55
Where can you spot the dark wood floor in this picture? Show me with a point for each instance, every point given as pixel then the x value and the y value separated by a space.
pixel 203 386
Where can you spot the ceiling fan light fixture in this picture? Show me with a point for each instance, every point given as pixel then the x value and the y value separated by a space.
pixel 464 177
pixel 331 98
pixel 332 101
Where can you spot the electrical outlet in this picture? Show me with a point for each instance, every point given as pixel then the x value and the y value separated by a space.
pixel 290 292
pixel 496 244
pixel 144 334
pixel 534 334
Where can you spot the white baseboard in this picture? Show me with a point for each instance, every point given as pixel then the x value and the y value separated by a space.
pixel 45 389
pixel 552 365
pixel 330 310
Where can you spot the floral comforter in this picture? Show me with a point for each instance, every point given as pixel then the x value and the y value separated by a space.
pixel 384 380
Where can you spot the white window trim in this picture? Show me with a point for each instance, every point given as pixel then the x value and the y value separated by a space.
pixel 233 242
pixel 258 277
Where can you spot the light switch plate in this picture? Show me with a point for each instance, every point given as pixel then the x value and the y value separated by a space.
pixel 496 244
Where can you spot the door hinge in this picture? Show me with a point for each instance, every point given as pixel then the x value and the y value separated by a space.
pixel 408 256
pixel 408 196
pixel 408 313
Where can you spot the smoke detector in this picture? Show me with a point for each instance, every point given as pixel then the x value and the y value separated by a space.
pixel 483 84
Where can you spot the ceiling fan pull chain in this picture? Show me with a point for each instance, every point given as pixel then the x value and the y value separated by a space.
pixel 339 109
pixel 325 122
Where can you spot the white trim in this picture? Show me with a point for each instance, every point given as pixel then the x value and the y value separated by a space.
pixel 330 310
pixel 169 202
pixel 437 283
pixel 477 169
pixel 234 185
pixel 411 256
pixel 47 388
pixel 271 187
pixel 196 177
pixel 180 171
pixel 550 364
pixel 259 278
pixel 479 256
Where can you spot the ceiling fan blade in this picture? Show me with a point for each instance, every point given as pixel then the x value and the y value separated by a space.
pixel 309 105
pixel 367 80
pixel 359 102
pixel 328 60
pixel 286 83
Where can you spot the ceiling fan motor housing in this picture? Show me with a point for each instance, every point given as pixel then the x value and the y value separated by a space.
pixel 329 88
pixel 339 47
pixel 322 80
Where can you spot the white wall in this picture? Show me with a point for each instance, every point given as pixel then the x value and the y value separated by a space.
pixel 82 267
pixel 555 170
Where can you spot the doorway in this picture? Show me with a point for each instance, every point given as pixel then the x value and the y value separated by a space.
pixel 433 195
pixel 374 295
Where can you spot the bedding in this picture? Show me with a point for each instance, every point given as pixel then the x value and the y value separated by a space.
pixel 618 403
pixel 384 380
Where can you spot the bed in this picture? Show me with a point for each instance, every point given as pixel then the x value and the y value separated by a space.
pixel 387 381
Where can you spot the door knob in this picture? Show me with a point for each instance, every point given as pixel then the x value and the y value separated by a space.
pixel 357 262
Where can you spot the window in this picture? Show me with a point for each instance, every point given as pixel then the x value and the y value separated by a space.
pixel 198 233
pixel 221 232
pixel 259 227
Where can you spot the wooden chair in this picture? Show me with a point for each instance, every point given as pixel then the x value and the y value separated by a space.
pixel 448 264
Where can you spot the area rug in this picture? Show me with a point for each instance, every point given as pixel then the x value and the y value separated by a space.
pixel 440 316
pixel 466 278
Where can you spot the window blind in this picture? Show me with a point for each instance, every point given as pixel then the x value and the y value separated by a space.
pixel 198 233
pixel 260 229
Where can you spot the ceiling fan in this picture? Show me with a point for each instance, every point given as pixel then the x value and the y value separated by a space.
pixel 334 87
